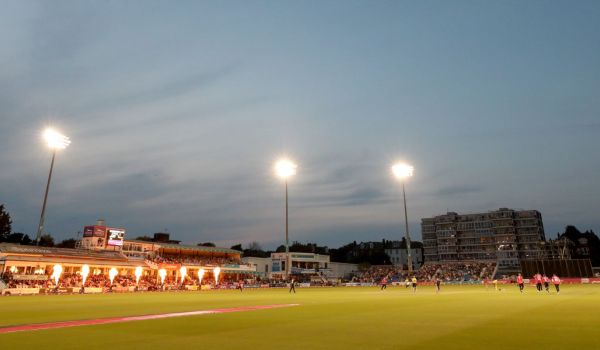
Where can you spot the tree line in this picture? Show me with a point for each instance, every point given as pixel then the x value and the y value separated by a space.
pixel 372 253
pixel 7 236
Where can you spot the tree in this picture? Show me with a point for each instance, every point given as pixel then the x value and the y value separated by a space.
pixel 67 243
pixel 237 247
pixel 5 224
pixel 46 240
pixel 19 238
pixel 26 240
pixel 366 252
pixel 255 246
pixel 145 238
pixel 206 244
pixel 343 253
pixel 255 250
pixel 304 248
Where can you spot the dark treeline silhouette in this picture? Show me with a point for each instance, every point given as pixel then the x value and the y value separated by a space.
pixel 5 224
pixel 7 236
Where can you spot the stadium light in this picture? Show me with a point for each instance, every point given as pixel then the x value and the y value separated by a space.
pixel 285 168
pixel 402 172
pixel 55 141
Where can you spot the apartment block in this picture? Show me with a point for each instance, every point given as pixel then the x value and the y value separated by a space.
pixel 505 235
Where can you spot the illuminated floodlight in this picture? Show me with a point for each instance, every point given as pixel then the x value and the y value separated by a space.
pixel 163 274
pixel 138 274
pixel 402 170
pixel 183 273
pixel 112 274
pixel 200 275
pixel 85 271
pixel 216 272
pixel 285 168
pixel 55 139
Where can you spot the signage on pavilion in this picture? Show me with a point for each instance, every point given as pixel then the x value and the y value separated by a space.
pixel 115 236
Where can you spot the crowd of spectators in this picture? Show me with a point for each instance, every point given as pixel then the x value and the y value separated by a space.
pixel 449 272
pixel 146 282
pixel 191 260
pixel 458 272
pixel 34 283
pixel 75 280
pixel 376 273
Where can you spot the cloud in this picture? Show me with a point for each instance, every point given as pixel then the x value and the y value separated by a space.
pixel 155 92
pixel 457 190
pixel 349 198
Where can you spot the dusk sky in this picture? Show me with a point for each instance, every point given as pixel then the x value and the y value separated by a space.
pixel 177 111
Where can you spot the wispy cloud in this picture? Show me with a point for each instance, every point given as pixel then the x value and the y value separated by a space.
pixel 457 190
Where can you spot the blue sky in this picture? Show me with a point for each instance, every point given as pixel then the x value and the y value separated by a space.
pixel 177 111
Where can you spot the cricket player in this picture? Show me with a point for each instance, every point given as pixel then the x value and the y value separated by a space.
pixel 538 282
pixel 520 283
pixel 556 282
pixel 384 282
pixel 546 283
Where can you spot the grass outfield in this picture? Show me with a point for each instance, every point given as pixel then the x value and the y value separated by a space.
pixel 465 317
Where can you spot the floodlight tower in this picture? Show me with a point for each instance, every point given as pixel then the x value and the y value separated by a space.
pixel 402 172
pixel 285 169
pixel 55 141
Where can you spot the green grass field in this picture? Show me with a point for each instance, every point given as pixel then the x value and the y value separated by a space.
pixel 466 317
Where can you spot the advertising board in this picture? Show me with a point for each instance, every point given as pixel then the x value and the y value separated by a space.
pixel 115 236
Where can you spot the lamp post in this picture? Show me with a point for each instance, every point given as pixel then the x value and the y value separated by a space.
pixel 402 172
pixel 284 169
pixel 55 141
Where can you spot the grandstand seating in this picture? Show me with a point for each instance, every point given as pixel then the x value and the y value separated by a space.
pixel 449 272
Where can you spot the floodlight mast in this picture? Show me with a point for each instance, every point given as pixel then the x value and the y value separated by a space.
pixel 55 141
pixel 284 169
pixel 402 172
